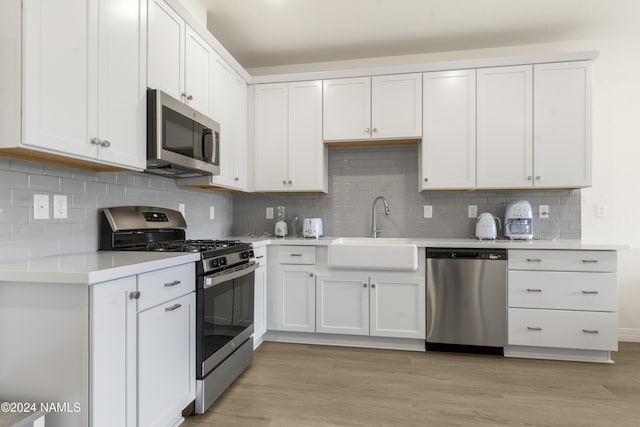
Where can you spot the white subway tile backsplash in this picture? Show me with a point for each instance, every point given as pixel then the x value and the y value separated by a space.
pixel 44 183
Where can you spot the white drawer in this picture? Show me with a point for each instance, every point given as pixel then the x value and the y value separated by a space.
pixel 562 260
pixel 563 290
pixel 261 256
pixel 163 285
pixel 297 255
pixel 563 329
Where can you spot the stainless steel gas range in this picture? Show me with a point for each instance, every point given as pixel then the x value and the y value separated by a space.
pixel 224 290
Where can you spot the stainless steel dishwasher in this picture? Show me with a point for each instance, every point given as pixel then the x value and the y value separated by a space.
pixel 467 300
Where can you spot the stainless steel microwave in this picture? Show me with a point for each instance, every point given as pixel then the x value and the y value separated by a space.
pixel 181 142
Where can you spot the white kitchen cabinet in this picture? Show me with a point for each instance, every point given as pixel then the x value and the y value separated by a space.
pixel 229 109
pixel 289 155
pixel 166 361
pixel 448 149
pixel 373 108
pixel 291 296
pixel 260 296
pixel 113 334
pixel 378 305
pixel 562 124
pixel 504 127
pixel 179 60
pixel 562 304
pixel 83 91
pixel 342 304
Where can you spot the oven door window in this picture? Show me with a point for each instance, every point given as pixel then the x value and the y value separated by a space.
pixel 228 311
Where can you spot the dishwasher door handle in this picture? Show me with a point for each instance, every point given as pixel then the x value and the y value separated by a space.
pixel 471 255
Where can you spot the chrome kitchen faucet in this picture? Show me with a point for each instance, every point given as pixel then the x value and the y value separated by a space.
pixel 387 211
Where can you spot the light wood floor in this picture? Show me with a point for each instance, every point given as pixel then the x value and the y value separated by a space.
pixel 304 385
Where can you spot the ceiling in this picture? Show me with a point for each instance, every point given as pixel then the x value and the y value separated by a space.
pixel 261 33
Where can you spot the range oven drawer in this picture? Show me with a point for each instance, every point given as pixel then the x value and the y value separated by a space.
pixel 163 285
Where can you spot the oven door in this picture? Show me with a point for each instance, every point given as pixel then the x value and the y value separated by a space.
pixel 224 315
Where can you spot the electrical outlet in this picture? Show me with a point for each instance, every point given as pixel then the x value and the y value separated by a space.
pixel 428 211
pixel 473 211
pixel 182 209
pixel 601 210
pixel 543 211
pixel 59 206
pixel 212 212
pixel 269 213
pixel 40 206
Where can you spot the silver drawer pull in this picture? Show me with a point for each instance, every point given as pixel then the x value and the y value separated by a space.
pixel 174 283
pixel 590 331
pixel 531 328
pixel 590 261
pixel 261 256
pixel 534 290
pixel 590 292
pixel 534 260
pixel 173 307
pixel 296 254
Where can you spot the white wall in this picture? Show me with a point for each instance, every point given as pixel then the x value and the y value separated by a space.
pixel 197 9
pixel 616 142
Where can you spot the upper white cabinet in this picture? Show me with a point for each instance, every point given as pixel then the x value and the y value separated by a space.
pixel 373 108
pixel 179 60
pixel 289 154
pixel 534 126
pixel 504 127
pixel 448 149
pixel 83 89
pixel 562 124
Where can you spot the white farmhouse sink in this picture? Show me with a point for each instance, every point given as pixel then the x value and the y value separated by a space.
pixel 362 253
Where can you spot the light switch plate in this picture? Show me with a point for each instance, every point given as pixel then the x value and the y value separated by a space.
pixel 182 209
pixel 473 211
pixel 212 212
pixel 601 210
pixel 269 213
pixel 428 211
pixel 40 206
pixel 60 206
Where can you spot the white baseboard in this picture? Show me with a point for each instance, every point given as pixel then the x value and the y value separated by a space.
pixel 628 335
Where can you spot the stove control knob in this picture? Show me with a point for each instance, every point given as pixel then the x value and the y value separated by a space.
pixel 251 254
pixel 215 262
pixel 223 261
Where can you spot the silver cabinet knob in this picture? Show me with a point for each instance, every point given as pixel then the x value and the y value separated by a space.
pixel 310 274
pixel 538 177
pixel 366 130
pixel 183 94
pixel 236 179
pixel 426 180
pixel 189 97
pixel 284 182
pixel 96 141
pixel 373 285
pixel 290 182
pixel 105 144
pixel 134 295
pixel 529 178
pixel 375 129
pixel 364 285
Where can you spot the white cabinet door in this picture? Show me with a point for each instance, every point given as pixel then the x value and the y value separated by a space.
pixel 342 304
pixel 197 64
pixel 562 124
pixel 448 149
pixel 222 111
pixel 307 154
pixel 260 296
pixel 59 76
pixel 347 109
pixel 113 354
pixel 166 360
pixel 165 49
pixel 504 127
pixel 396 106
pixel 296 299
pixel 121 85
pixel 398 307
pixel 271 128
pixel 240 152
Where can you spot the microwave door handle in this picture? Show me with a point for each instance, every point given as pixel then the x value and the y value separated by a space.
pixel 207 148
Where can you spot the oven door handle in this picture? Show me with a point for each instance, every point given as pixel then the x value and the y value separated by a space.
pixel 210 281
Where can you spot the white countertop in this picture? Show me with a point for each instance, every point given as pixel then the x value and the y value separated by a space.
pixel 90 267
pixel 426 242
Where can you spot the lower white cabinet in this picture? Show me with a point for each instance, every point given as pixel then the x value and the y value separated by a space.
pixel 166 361
pixel 562 304
pixel 260 297
pixel 292 296
pixel 380 305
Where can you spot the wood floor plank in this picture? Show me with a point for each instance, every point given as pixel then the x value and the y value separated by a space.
pixel 304 385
